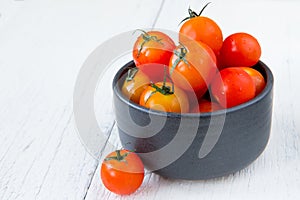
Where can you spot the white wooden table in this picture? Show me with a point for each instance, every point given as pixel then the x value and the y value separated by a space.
pixel 42 48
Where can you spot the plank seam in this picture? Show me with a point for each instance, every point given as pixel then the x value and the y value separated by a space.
pixel 55 153
pixel 100 155
pixel 158 13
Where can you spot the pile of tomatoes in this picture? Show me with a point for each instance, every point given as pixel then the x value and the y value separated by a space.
pixel 203 73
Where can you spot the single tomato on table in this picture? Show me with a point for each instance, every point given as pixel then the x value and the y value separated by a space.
pixel 240 49
pixel 151 53
pixel 203 29
pixel 192 67
pixel 232 86
pixel 165 97
pixel 135 83
pixel 122 172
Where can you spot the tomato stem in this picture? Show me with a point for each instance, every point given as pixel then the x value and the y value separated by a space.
pixel 203 9
pixel 181 56
pixel 146 38
pixel 165 76
pixel 131 74
pixel 119 157
pixel 165 90
pixel 193 14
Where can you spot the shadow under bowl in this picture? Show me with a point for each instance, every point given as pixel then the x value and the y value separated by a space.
pixel 195 146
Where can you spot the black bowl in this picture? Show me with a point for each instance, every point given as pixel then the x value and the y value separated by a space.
pixel 195 145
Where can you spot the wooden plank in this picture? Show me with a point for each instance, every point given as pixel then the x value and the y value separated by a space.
pixel 8 9
pixel 42 50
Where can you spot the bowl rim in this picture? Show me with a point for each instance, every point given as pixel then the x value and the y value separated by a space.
pixel 268 87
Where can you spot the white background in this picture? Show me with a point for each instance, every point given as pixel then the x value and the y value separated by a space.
pixel 42 47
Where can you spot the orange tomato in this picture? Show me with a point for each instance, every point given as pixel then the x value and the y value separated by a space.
pixel 201 29
pixel 134 84
pixel 258 79
pixel 151 52
pixel 122 172
pixel 163 98
pixel 192 67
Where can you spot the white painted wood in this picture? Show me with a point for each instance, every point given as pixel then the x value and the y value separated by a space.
pixel 8 9
pixel 42 47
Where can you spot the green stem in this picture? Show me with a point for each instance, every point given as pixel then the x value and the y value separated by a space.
pixel 193 14
pixel 165 90
pixel 119 157
pixel 181 56
pixel 146 38
pixel 131 73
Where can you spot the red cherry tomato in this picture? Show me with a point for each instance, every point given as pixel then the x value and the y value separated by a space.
pixel 258 79
pixel 233 86
pixel 192 67
pixel 122 172
pixel 240 49
pixel 151 52
pixel 201 29
pixel 206 106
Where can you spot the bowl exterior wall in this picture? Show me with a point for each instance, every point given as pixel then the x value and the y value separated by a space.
pixel 243 137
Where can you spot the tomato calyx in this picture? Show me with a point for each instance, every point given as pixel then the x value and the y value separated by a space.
pixel 146 38
pixel 181 56
pixel 118 157
pixel 131 74
pixel 193 14
pixel 165 90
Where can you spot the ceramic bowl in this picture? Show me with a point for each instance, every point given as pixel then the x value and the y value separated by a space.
pixel 195 146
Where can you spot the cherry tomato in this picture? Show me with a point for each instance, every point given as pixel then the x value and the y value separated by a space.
pixel 151 52
pixel 201 29
pixel 163 98
pixel 240 49
pixel 233 86
pixel 134 84
pixel 192 67
pixel 122 172
pixel 258 79
pixel 206 106
pixel 209 51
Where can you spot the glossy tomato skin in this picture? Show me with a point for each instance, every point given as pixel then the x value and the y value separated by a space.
pixel 240 49
pixel 197 72
pixel 233 86
pixel 176 102
pixel 153 55
pixel 258 79
pixel 206 106
pixel 122 177
pixel 202 29
pixel 135 83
